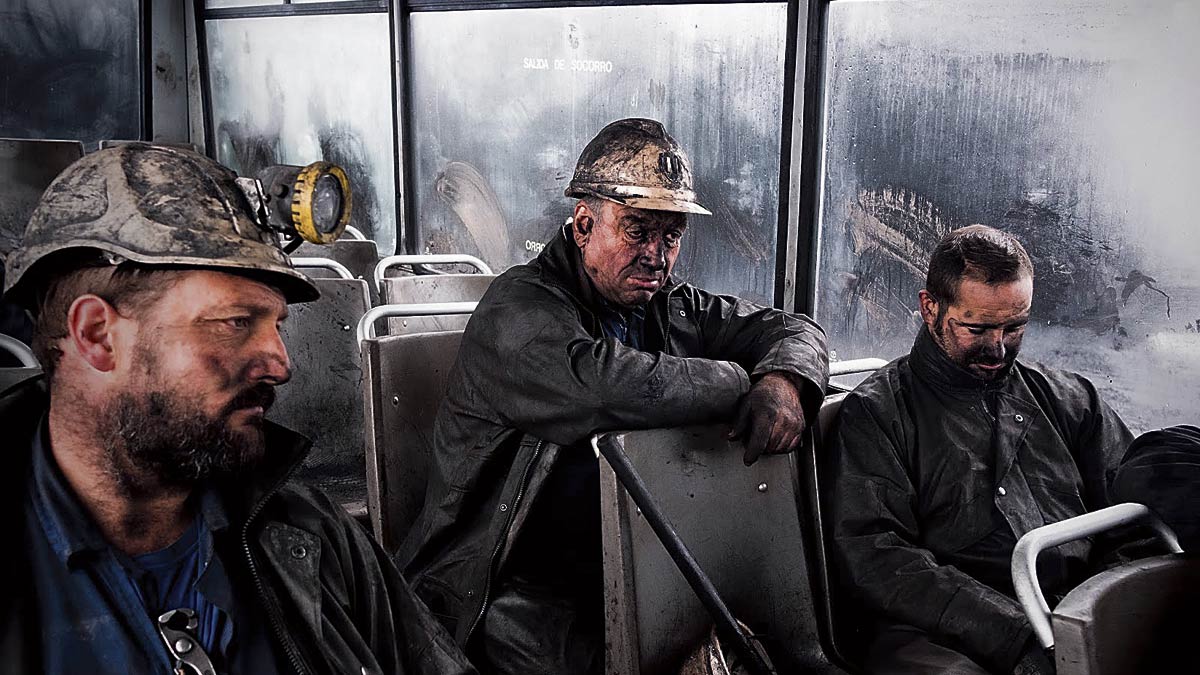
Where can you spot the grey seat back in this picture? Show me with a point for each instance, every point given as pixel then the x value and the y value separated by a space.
pixel 11 377
pixel 428 288
pixel 406 378
pixel 1138 618
pixel 323 400
pixel 741 524
pixel 357 255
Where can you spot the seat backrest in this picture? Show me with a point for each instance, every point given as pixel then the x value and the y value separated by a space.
pixel 427 288
pixel 1137 618
pixel 357 255
pixel 11 377
pixel 406 378
pixel 831 617
pixel 741 525
pixel 324 400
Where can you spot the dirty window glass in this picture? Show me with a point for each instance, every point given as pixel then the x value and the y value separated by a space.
pixel 1070 124
pixel 503 101
pixel 69 70
pixel 298 89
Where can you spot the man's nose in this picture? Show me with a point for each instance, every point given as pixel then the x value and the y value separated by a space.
pixel 271 364
pixel 654 254
pixel 995 343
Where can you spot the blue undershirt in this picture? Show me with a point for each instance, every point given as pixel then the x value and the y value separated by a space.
pixel 98 607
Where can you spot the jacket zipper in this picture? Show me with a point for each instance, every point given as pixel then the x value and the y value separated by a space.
pixel 512 514
pixel 285 639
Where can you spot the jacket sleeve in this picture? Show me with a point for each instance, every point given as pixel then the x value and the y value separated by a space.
pixel 764 340
pixel 1101 439
pixel 403 634
pixel 877 541
pixel 531 360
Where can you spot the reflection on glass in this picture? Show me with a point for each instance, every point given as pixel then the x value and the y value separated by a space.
pixel 1070 124
pixel 297 89
pixel 69 70
pixel 503 101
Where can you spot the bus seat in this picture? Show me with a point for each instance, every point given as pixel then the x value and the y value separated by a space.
pixel 406 378
pixel 432 288
pixel 323 400
pixel 11 377
pixel 741 525
pixel 357 255
pixel 1137 618
pixel 837 628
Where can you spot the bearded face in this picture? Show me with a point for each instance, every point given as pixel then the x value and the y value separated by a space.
pixel 983 329
pixel 199 375
pixel 164 438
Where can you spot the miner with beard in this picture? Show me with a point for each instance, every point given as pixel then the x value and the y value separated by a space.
pixel 945 457
pixel 139 475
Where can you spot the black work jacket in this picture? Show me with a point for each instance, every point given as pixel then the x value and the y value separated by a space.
pixel 535 374
pixel 936 474
pixel 334 601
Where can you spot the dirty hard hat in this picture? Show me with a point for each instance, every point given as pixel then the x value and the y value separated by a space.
pixel 636 162
pixel 153 205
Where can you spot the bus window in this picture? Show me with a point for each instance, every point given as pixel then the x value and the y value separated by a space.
pixel 1070 125
pixel 296 89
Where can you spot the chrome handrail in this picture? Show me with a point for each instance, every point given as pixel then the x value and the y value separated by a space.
pixel 428 259
pixel 354 233
pixel 853 366
pixel 366 325
pixel 19 349
pixel 324 263
pixel 1030 546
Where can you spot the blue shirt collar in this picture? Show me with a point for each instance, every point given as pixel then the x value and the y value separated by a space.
pixel 68 526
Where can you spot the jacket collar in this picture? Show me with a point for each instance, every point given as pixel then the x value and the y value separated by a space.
pixel 562 261
pixel 933 365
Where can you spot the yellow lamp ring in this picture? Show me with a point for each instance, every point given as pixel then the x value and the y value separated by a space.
pixel 303 193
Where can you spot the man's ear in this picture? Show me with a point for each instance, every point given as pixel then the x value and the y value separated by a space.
pixel 89 331
pixel 582 223
pixel 929 309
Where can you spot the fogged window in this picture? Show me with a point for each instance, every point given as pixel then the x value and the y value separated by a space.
pixel 1069 124
pixel 69 70
pixel 298 89
pixel 503 101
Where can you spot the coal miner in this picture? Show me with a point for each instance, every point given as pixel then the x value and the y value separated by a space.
pixel 594 334
pixel 942 460
pixel 139 481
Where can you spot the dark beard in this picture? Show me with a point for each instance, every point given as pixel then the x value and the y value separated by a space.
pixel 160 440
pixel 976 355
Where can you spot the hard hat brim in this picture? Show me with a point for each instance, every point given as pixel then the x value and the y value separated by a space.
pixel 294 285
pixel 651 199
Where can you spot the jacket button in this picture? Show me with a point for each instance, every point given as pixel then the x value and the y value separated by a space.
pixel 299 552
pixel 1019 418
pixel 1001 491
pixel 503 508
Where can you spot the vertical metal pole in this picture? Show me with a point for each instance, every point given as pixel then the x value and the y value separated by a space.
pixel 727 627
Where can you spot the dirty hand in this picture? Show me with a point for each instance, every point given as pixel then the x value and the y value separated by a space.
pixel 769 417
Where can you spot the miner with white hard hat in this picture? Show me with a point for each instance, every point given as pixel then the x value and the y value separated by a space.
pixel 592 335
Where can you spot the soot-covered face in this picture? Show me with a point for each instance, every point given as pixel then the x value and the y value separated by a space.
pixel 200 379
pixel 627 252
pixel 982 330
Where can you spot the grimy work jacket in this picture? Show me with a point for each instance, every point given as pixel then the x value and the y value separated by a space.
pixel 535 374
pixel 334 601
pixel 936 474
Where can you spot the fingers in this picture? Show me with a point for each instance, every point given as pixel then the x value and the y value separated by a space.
pixel 774 434
pixel 741 423
pixel 760 437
